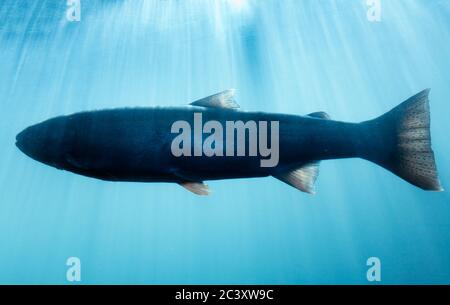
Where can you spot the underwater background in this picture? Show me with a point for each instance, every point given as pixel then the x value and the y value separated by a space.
pixel 283 56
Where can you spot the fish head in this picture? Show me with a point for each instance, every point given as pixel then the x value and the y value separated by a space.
pixel 47 142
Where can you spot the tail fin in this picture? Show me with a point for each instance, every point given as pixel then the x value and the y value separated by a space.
pixel 403 142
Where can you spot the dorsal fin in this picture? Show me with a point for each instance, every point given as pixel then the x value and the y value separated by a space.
pixel 198 188
pixel 320 115
pixel 302 178
pixel 223 99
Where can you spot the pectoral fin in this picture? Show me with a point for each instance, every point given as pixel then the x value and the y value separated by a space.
pixel 75 163
pixel 223 99
pixel 302 178
pixel 198 188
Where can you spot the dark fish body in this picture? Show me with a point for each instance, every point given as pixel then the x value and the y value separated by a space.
pixel 135 144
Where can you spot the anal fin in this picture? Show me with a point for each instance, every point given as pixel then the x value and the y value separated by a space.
pixel 198 188
pixel 302 178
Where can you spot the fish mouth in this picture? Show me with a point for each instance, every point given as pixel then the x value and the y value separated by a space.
pixel 25 144
pixel 29 142
pixel 20 142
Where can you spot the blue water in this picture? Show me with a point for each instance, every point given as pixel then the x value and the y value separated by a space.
pixel 281 56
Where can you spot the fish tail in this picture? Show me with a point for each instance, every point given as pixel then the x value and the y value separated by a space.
pixel 402 142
